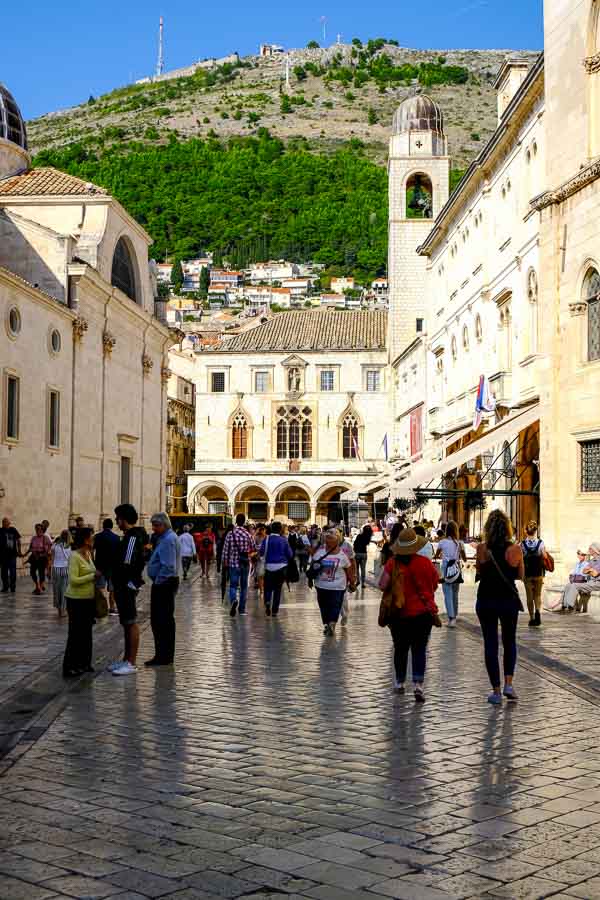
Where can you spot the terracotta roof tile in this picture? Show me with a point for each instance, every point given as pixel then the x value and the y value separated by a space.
pixel 315 330
pixel 49 182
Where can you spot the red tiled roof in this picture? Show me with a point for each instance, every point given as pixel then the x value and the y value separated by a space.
pixel 48 182
pixel 315 330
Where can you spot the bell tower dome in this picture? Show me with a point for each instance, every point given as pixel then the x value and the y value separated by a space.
pixel 418 175
pixel 14 157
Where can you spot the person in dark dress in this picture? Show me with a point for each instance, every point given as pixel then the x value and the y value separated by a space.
pixel 499 565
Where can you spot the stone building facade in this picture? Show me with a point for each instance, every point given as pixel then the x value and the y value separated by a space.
pixel 82 355
pixel 181 413
pixel 290 416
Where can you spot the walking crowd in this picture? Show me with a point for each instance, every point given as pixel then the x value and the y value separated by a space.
pixel 95 575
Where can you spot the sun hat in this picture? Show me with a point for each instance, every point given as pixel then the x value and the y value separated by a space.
pixel 408 543
pixel 595 546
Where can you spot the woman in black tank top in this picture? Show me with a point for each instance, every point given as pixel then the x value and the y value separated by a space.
pixel 499 565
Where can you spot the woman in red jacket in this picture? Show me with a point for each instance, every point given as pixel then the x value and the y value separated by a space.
pixel 414 578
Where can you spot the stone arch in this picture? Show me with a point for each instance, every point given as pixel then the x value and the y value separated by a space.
pixel 293 502
pixel 590 296
pixel 328 505
pixel 125 270
pixel 202 494
pixel 253 499
pixel 418 200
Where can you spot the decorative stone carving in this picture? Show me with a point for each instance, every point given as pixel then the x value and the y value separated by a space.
pixel 578 309
pixel 592 64
pixel 147 364
pixel 165 374
pixel 80 326
pixel 108 343
pixel 584 177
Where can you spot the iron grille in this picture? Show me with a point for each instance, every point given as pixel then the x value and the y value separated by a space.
pixel 594 329
pixel 590 466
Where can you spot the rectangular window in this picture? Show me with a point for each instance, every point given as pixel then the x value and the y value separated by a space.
pixel 53 419
pixel 373 380
pixel 416 431
pixel 258 510
pixel 327 380
pixel 590 466
pixel 299 510
pixel 261 382
pixel 217 507
pixel 419 325
pixel 217 382
pixel 12 407
pixel 125 479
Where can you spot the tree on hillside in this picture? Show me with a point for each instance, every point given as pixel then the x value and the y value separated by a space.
pixel 177 275
pixel 204 281
pixel 312 45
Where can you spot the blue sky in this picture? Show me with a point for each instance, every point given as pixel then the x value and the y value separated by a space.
pixel 57 54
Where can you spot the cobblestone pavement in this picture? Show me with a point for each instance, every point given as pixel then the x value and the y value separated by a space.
pixel 274 762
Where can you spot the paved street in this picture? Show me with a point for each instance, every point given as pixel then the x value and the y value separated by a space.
pixel 272 762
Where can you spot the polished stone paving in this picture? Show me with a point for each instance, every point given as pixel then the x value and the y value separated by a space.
pixel 274 762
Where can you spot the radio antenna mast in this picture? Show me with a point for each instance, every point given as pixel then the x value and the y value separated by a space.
pixel 160 65
pixel 324 24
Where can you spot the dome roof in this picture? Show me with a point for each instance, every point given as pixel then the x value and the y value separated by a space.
pixel 418 113
pixel 12 126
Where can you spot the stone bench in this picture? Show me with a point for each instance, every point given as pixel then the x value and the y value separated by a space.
pixel 584 604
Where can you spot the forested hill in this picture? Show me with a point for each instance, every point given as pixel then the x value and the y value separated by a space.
pixel 247 199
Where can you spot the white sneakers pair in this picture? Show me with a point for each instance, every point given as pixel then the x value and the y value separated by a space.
pixel 121 667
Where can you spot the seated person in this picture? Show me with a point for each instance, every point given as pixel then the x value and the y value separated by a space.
pixel 590 570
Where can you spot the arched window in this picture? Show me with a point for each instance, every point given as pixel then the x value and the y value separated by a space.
pixel 350 437
pixel 294 432
pixel 532 296
pixel 239 437
pixel 478 328
pixel 591 293
pixel 419 197
pixel 465 337
pixel 454 348
pixel 123 272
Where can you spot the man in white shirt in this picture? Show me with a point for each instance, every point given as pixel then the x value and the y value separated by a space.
pixel 188 549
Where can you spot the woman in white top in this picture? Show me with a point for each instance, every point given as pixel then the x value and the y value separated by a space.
pixel 60 554
pixel 329 564
pixel 452 553
pixel 188 550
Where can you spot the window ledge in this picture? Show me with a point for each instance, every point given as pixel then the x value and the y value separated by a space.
pixel 528 360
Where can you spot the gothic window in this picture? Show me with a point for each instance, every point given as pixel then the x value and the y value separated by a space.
pixel 123 274
pixel 294 432
pixel 591 293
pixel 478 328
pixel 465 338
pixel 350 437
pixel 239 437
pixel 454 349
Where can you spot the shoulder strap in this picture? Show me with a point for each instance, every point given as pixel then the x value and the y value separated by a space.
pixel 510 584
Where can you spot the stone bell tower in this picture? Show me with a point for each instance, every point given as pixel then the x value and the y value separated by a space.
pixel 418 173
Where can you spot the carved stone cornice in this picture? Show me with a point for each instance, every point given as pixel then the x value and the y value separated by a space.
pixel 578 309
pixel 80 326
pixel 591 64
pixel 109 342
pixel 584 177
pixel 147 364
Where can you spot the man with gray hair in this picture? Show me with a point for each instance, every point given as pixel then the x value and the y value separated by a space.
pixel 163 568
pixel 592 573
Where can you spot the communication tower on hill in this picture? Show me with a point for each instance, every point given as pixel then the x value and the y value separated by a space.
pixel 160 65
pixel 324 24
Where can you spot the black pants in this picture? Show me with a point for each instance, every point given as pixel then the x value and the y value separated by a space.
pixel 78 652
pixel 8 568
pixel 411 634
pixel 186 562
pixel 37 568
pixel 302 562
pixel 489 619
pixel 162 619
pixel 273 584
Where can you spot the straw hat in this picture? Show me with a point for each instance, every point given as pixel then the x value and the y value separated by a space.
pixel 408 543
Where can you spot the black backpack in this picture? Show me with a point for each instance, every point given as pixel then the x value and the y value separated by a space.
pixel 534 561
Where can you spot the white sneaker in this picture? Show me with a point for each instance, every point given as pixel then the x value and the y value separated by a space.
pixel 125 669
pixel 451 623
pixel 114 665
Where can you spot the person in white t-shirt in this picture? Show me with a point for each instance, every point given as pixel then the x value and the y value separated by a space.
pixel 330 564
pixel 452 553
pixel 60 555
pixel 188 550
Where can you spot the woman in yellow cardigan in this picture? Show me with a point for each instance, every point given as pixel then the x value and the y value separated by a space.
pixel 81 605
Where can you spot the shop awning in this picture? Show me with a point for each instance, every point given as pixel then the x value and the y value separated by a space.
pixel 423 475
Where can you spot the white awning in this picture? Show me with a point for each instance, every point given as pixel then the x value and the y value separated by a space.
pixel 424 474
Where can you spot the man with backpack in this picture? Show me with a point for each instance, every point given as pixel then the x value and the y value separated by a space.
pixel 205 548
pixel 533 557
pixel 238 550
pixel 126 574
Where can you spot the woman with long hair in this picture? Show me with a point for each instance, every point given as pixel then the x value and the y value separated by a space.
pixel 499 565
pixel 81 605
pixel 452 553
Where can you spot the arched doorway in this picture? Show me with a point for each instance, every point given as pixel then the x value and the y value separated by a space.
pixel 253 501
pixel 293 504
pixel 330 509
pixel 211 500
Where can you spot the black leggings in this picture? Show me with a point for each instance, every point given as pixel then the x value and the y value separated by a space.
pixel 411 633
pixel 489 619
pixel 78 652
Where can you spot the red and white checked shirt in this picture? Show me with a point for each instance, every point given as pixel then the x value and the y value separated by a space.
pixel 237 541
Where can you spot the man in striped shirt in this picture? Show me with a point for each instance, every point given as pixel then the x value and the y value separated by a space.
pixel 127 580
pixel 238 550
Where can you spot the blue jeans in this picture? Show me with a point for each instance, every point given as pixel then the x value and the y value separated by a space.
pixel 330 604
pixel 238 578
pixel 451 598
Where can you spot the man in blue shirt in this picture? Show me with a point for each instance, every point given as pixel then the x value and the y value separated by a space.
pixel 163 569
